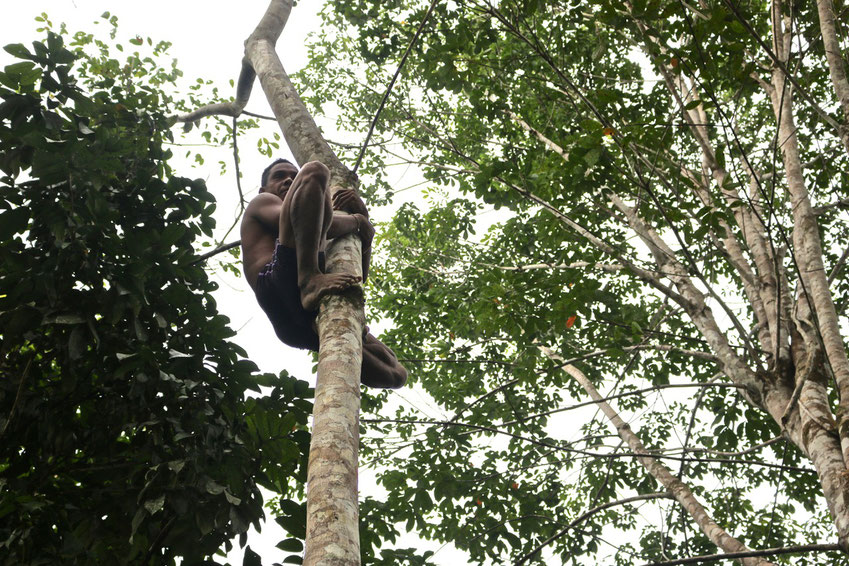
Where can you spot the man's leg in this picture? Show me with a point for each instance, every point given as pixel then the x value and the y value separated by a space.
pixel 304 220
pixel 380 366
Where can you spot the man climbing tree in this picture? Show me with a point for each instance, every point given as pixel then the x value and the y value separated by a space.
pixel 284 232
pixel 332 532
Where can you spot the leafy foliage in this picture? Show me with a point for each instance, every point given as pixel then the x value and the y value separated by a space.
pixel 127 434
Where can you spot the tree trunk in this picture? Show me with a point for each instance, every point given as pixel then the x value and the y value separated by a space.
pixel 332 511
pixel 679 490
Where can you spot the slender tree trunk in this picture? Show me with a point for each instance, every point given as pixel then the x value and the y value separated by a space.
pixel 332 511
pixel 833 54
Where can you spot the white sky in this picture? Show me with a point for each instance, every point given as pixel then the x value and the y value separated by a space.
pixel 208 40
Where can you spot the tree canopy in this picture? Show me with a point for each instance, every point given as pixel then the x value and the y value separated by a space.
pixel 670 184
pixel 644 198
pixel 133 430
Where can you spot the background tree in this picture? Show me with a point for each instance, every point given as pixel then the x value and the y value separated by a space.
pixel 672 183
pixel 126 434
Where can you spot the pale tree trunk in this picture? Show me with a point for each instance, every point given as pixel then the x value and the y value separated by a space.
pixel 825 10
pixel 332 511
pixel 817 320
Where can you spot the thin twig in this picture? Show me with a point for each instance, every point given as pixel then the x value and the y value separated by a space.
pixel 838 267
pixel 644 454
pixel 586 515
pixel 621 395
pixel 238 182
pixel 261 116
pixel 157 542
pixel 392 84
pixel 750 554
pixel 216 251
pixel 236 161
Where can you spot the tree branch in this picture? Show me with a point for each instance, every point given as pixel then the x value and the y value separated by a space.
pixel 750 554
pixel 584 516
pixel 233 108
pixel 216 251
pixel 661 473
pixel 622 395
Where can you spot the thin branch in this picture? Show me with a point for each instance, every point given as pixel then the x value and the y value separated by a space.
pixel 838 267
pixel 750 450
pixel 591 355
pixel 236 162
pixel 639 455
pixel 233 108
pixel 260 116
pixel 216 251
pixel 586 515
pixel 842 203
pixel 750 554
pixel 622 395
pixel 238 182
pixel 392 83
pixel 660 472
pixel 157 542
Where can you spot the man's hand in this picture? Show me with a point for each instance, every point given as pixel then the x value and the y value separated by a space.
pixel 365 230
pixel 349 201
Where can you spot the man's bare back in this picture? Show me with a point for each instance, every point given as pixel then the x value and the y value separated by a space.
pixel 284 233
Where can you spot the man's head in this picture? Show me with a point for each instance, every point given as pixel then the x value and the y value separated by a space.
pixel 267 171
pixel 278 177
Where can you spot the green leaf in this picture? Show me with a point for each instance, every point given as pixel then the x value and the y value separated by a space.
pixel 251 558
pixel 153 506
pixel 17 50
pixel 290 545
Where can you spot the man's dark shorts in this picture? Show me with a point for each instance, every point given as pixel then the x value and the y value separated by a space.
pixel 278 294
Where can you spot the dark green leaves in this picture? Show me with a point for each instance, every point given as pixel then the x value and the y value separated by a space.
pixel 13 222
pixel 127 438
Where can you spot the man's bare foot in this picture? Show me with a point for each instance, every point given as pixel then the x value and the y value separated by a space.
pixel 321 284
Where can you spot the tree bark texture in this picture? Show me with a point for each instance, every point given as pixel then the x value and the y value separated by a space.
pixel 332 510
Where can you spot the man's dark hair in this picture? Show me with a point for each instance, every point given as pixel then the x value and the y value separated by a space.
pixel 267 170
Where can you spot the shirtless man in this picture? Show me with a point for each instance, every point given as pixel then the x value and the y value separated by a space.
pixel 284 233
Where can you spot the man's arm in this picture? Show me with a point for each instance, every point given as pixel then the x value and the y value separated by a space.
pixel 264 210
pixel 357 222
